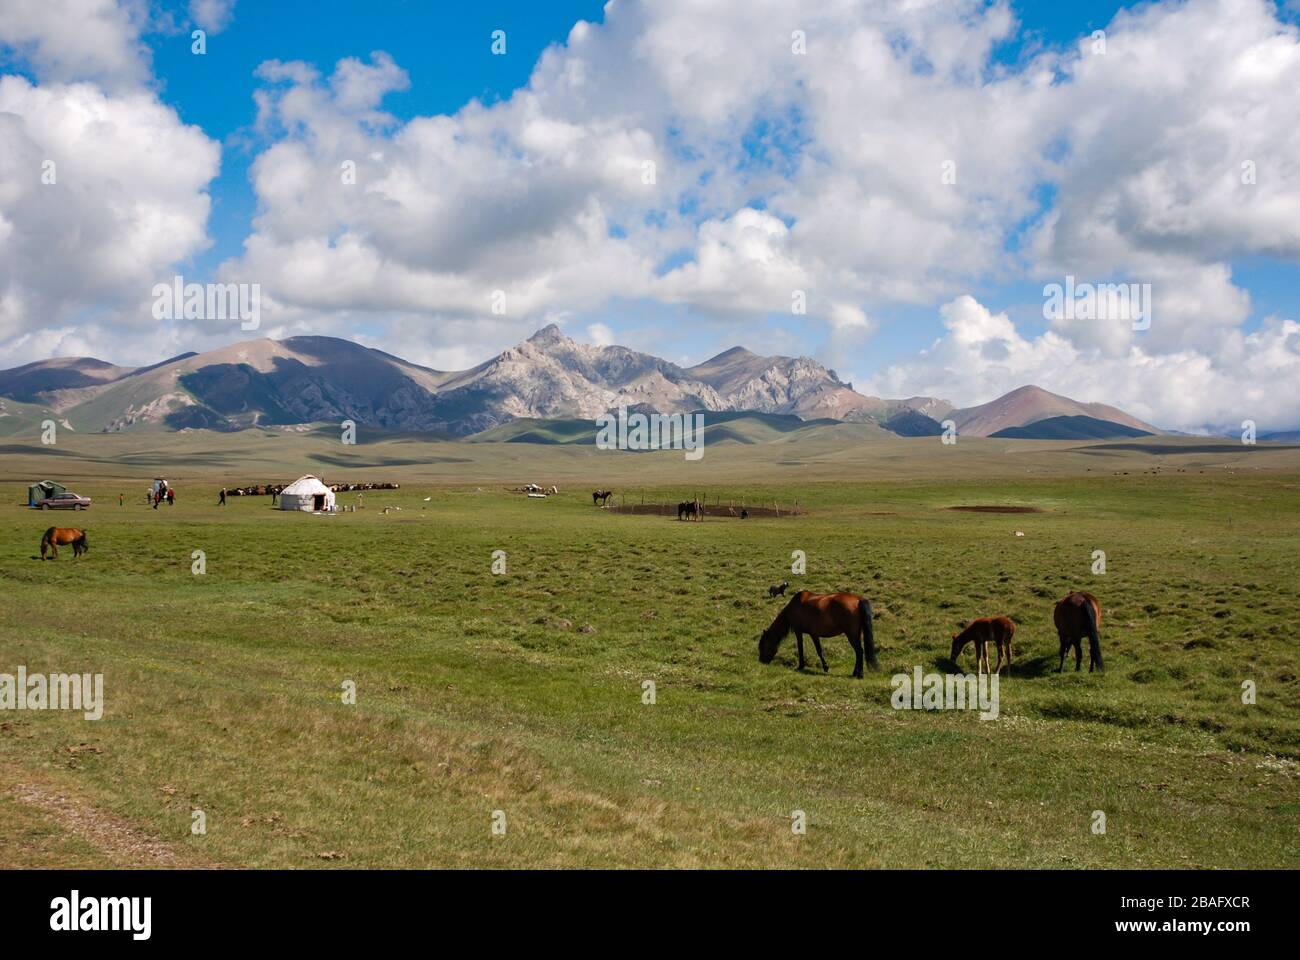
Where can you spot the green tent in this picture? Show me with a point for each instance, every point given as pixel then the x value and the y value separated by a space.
pixel 45 488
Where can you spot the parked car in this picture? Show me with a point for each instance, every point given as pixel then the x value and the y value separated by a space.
pixel 64 501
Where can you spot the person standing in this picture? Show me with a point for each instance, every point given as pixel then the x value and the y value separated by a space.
pixel 120 500
pixel 171 497
pixel 222 501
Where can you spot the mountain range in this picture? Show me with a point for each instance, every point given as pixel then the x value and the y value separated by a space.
pixel 548 377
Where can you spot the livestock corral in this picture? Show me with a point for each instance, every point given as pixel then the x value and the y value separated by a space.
pixel 725 510
pixel 374 690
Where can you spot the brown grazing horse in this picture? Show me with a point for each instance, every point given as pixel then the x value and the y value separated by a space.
pixel 985 630
pixel 1078 616
pixel 56 537
pixel 690 509
pixel 601 496
pixel 823 615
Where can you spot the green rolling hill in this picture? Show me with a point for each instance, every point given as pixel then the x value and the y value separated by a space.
pixel 1071 428
pixel 719 427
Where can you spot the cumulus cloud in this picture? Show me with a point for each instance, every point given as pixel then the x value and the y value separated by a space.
pixel 1182 139
pixel 212 15
pixel 983 354
pixel 582 187
pixel 495 209
pixel 720 157
pixel 600 334
pixel 1180 152
pixel 742 265
pixel 102 187
pixel 64 40
pixel 893 161
pixel 88 211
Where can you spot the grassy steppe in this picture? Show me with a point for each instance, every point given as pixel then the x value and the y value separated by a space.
pixel 478 692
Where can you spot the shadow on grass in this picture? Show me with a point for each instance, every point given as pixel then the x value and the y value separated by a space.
pixel 1023 669
pixel 1036 667
pixel 35 448
pixel 374 462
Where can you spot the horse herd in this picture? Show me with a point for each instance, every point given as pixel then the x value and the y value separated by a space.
pixel 1076 616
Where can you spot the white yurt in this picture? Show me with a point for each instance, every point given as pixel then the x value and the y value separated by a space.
pixel 307 493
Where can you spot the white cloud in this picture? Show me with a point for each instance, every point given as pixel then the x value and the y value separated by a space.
pixel 212 15
pixel 442 212
pixel 895 162
pixel 126 201
pixel 545 196
pixel 66 40
pixel 983 355
pixel 1189 102
pixel 600 334
pixel 743 265
pixel 848 145
pixel 1180 152
pixel 102 188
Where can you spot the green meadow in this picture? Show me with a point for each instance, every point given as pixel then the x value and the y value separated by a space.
pixel 524 693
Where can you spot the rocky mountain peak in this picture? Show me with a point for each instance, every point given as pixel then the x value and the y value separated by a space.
pixel 550 335
pixel 322 379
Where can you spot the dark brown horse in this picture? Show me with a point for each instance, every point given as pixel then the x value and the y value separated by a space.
pixel 823 615
pixel 1078 616
pixel 56 537
pixel 600 496
pixel 982 632
pixel 689 509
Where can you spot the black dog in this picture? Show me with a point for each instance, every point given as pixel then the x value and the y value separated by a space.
pixel 778 589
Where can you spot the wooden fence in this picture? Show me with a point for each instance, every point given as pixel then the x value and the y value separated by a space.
pixel 713 507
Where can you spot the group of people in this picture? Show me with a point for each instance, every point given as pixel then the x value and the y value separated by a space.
pixel 153 496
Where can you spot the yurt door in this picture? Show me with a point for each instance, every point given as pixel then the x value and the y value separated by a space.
pixel 318 501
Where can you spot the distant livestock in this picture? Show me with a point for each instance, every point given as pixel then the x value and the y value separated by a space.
pixel 778 589
pixel 257 490
pixel 275 489
pixel 600 497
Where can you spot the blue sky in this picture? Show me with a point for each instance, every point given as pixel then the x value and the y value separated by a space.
pixel 444 47
pixel 779 171
pixel 446 50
